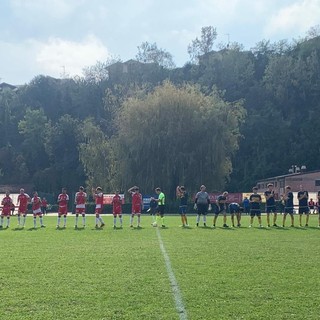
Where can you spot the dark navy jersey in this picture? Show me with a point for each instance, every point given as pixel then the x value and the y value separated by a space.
pixel 184 199
pixel 271 201
pixel 222 199
pixel 255 200
pixel 303 202
pixel 289 200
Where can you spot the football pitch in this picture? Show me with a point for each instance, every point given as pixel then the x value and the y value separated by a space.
pixel 155 273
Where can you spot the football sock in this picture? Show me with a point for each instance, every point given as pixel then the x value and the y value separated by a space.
pixel 58 223
pixel 162 221
pixel 24 220
pixel 34 222
pixel 8 222
pixel 84 220
pixel 101 221
pixel 198 218
pixel 19 219
pixel 41 221
pixel 131 220
pixel 64 221
pixel 139 219
pixel 114 221
pixel 120 220
pixel 204 219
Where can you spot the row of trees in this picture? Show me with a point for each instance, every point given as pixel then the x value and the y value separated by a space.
pixel 227 119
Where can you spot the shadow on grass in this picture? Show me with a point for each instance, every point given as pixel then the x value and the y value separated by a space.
pixel 79 229
pixel 301 228
pixel 61 228
pixel 18 229
pixel 314 228
pixel 186 228
pixel 137 228
pixel 97 229
pixel 32 229
pixel 227 228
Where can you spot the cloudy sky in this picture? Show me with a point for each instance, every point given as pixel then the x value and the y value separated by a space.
pixel 56 37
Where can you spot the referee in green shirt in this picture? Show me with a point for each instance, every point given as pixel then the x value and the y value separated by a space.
pixel 161 206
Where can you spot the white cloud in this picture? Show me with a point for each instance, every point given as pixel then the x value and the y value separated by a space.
pixel 58 55
pixel 294 19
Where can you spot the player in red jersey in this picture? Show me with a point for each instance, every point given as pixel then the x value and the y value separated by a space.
pixel 22 202
pixel 98 197
pixel 36 209
pixel 6 209
pixel 80 203
pixel 63 200
pixel 117 209
pixel 44 206
pixel 137 205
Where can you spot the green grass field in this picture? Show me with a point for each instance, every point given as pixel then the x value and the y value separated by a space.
pixel 93 274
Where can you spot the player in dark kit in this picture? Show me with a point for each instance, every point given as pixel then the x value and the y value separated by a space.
pixel 255 210
pixel 288 207
pixel 222 208
pixel 303 205
pixel 202 203
pixel 182 194
pixel 235 210
pixel 318 207
pixel 271 205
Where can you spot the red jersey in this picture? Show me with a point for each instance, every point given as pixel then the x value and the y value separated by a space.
pixel 23 200
pixel 63 199
pixel 81 198
pixel 36 204
pixel 116 205
pixel 7 205
pixel 99 198
pixel 99 202
pixel 136 202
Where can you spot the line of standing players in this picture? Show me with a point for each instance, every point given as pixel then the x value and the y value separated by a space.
pixel 157 207
pixel 202 205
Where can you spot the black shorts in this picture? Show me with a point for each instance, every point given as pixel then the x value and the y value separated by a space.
pixel 202 208
pixel 161 210
pixel 255 212
pixel 304 210
pixel 221 208
pixel 288 210
pixel 270 209
pixel 234 211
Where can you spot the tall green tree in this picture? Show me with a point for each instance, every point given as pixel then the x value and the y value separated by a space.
pixel 32 128
pixel 150 53
pixel 177 136
pixel 203 45
pixel 61 144
pixel 96 156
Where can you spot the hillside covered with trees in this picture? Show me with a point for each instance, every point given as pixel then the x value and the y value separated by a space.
pixel 226 119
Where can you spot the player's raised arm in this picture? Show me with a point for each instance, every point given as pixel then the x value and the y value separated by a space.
pixel 132 189
pixel 94 194
pixel 178 192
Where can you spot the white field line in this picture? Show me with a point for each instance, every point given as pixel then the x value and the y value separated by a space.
pixel 173 281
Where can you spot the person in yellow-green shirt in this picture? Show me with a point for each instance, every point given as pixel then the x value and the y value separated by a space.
pixel 161 206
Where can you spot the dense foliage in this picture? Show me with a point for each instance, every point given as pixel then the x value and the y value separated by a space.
pixel 142 123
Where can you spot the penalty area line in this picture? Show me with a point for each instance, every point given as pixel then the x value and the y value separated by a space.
pixel 173 281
